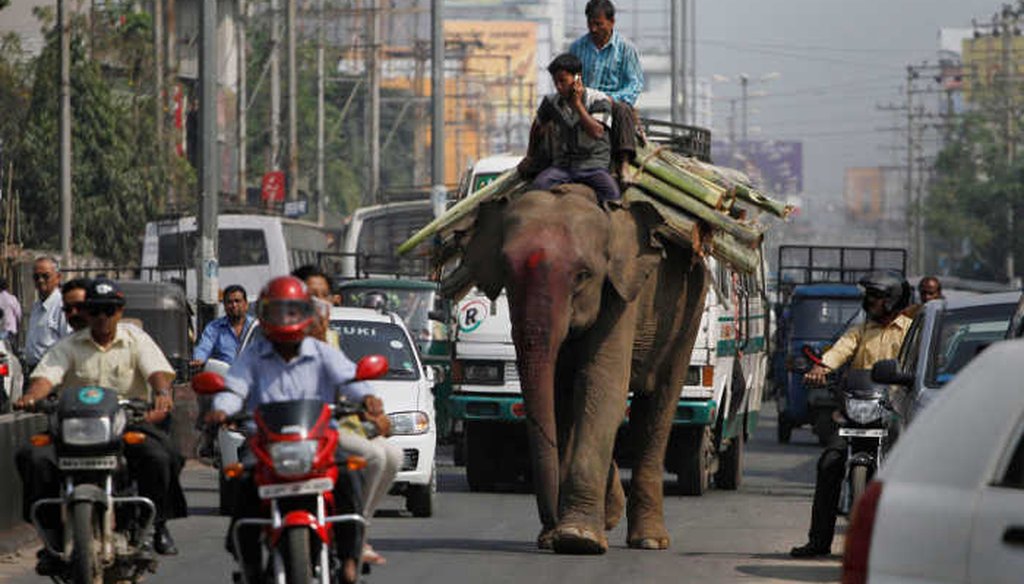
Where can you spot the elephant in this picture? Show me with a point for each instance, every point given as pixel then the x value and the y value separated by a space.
pixel 600 306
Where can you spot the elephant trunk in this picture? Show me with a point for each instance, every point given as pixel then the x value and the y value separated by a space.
pixel 539 305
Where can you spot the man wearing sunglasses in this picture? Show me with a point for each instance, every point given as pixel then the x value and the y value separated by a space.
pixel 124 358
pixel 73 297
pixel 46 322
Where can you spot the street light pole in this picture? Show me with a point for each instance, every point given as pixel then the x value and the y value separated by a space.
pixel 438 193
pixel 207 266
pixel 65 130
pixel 744 82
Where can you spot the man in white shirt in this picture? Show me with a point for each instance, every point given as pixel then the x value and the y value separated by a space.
pixel 46 322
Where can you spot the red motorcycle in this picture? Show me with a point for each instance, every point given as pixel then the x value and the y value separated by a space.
pixel 295 473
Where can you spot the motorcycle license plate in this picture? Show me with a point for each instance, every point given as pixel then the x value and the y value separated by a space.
pixel 88 463
pixel 291 489
pixel 863 432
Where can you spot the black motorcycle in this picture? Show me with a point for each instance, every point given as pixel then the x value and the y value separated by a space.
pixel 865 423
pixel 104 520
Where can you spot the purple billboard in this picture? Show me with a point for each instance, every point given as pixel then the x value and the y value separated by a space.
pixel 775 166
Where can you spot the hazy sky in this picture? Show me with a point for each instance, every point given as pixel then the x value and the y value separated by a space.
pixel 836 60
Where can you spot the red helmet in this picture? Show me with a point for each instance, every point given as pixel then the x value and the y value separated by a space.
pixel 285 309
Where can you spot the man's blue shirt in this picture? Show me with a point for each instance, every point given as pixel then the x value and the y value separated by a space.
pixel 219 340
pixel 614 69
pixel 260 375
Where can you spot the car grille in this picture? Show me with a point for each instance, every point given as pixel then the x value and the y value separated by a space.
pixel 410 459
pixel 511 372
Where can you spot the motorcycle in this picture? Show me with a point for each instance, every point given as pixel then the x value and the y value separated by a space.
pixel 105 522
pixel 865 421
pixel 293 465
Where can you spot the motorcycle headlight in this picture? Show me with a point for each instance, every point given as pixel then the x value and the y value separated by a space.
pixel 864 411
pixel 293 458
pixel 409 423
pixel 85 431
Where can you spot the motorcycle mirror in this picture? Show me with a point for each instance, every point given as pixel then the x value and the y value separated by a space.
pixel 888 371
pixel 371 367
pixel 208 383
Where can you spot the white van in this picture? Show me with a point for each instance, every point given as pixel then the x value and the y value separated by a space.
pixel 251 249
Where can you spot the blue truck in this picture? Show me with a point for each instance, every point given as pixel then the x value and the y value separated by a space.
pixel 818 299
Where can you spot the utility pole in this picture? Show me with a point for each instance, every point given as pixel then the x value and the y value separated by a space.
pixel 913 212
pixel 373 112
pixel 693 62
pixel 243 96
pixel 275 84
pixel 438 193
pixel 678 62
pixel 320 202
pixel 207 266
pixel 65 130
pixel 1007 22
pixel 293 108
pixel 158 76
pixel 744 83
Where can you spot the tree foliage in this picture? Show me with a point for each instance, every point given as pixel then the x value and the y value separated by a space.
pixel 973 209
pixel 119 174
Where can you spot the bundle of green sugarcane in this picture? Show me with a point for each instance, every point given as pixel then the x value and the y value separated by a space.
pixel 701 205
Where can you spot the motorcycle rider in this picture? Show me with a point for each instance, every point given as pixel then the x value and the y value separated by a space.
pixel 121 357
pixel 285 363
pixel 886 294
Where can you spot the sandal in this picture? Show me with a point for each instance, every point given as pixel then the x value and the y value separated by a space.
pixel 371 557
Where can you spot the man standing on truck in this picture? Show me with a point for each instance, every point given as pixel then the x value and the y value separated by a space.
pixel 580 118
pixel 611 65
pixel 886 294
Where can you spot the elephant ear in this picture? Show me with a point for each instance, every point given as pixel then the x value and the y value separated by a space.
pixel 482 257
pixel 632 257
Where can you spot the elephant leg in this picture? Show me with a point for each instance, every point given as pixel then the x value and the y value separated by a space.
pixel 654 403
pixel 614 498
pixel 563 400
pixel 598 406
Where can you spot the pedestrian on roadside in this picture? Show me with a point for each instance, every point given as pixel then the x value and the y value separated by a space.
pixel 11 308
pixel 46 322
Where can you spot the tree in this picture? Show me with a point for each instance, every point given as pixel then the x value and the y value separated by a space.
pixel 975 201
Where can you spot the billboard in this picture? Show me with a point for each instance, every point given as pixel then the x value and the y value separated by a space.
pixel 500 54
pixel 875 193
pixel 775 166
pixel 983 64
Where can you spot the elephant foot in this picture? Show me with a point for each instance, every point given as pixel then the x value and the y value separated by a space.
pixel 614 505
pixel 649 543
pixel 544 539
pixel 579 541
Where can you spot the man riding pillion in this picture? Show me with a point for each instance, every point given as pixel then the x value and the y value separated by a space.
pixel 125 359
pixel 287 364
pixel 886 294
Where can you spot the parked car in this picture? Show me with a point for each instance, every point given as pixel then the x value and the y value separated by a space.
pixel 406 391
pixel 948 505
pixel 945 335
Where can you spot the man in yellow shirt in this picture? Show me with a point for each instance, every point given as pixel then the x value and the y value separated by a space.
pixel 886 294
pixel 123 358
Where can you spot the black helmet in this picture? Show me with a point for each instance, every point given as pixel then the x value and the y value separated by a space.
pixel 890 285
pixel 376 300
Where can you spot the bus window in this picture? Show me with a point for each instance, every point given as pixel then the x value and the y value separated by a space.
pixel 235 247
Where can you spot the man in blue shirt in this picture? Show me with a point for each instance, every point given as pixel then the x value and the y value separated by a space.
pixel 611 65
pixel 222 339
pixel 286 364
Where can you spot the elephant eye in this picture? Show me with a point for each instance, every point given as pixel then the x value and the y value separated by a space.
pixel 581 277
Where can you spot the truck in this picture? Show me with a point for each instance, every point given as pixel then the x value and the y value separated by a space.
pixel 818 299
pixel 719 403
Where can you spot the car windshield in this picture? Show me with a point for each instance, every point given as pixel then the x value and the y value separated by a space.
pixel 413 306
pixel 823 318
pixel 360 338
pixel 961 335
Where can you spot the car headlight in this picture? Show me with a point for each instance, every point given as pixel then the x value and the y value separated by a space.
pixel 409 423
pixel 293 459
pixel 863 411
pixel 85 431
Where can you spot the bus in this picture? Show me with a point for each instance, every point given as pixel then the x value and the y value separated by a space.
pixel 251 249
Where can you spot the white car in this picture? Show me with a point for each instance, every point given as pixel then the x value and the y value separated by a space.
pixel 408 398
pixel 948 505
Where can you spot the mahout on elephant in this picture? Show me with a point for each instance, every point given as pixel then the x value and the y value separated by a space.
pixel 601 306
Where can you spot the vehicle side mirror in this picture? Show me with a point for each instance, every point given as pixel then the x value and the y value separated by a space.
pixel 208 383
pixel 438 315
pixel 888 371
pixel 371 367
pixel 431 374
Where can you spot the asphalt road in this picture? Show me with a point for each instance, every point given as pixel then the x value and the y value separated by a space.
pixel 741 536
